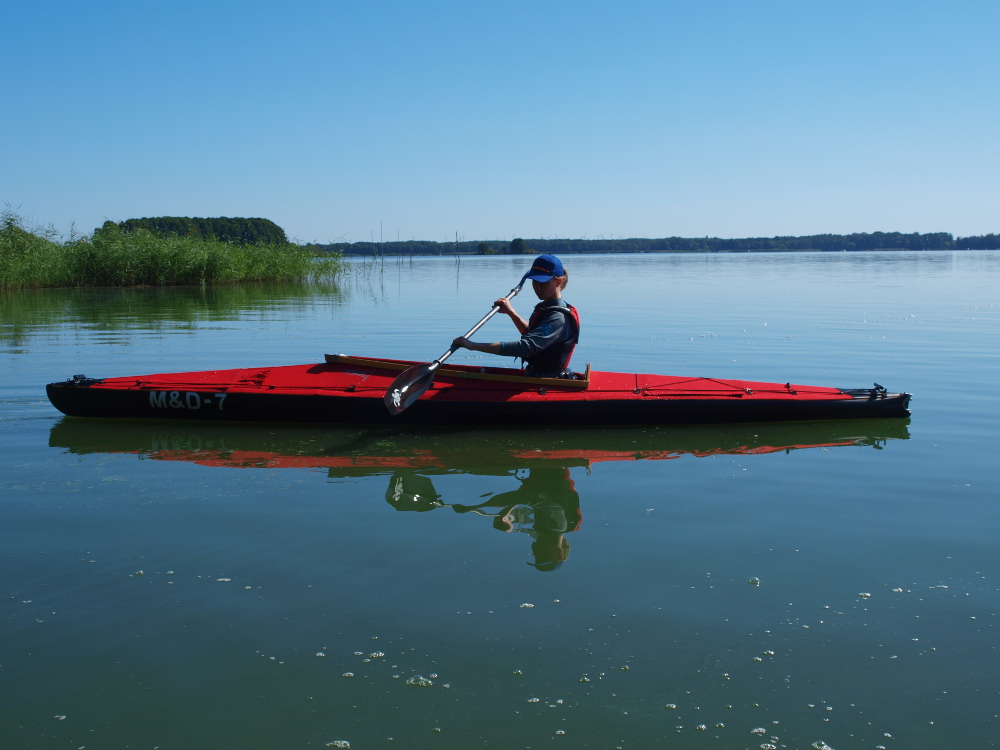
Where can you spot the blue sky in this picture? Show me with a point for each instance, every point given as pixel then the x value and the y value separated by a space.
pixel 347 121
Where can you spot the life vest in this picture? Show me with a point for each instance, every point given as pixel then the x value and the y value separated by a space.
pixel 556 358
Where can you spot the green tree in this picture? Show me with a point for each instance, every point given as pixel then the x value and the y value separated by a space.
pixel 981 242
pixel 519 247
pixel 224 229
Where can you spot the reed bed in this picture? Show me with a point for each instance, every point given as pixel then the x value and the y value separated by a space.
pixel 112 257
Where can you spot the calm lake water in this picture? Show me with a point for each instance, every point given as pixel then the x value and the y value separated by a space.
pixel 813 585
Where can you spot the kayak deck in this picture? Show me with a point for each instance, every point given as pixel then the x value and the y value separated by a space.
pixel 355 377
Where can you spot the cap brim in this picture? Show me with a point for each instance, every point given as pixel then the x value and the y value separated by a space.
pixel 540 277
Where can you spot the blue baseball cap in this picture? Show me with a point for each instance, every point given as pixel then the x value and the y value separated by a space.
pixel 545 267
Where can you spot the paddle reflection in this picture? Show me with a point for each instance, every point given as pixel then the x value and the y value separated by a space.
pixel 546 507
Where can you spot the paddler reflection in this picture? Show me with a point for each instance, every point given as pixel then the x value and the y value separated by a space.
pixel 546 507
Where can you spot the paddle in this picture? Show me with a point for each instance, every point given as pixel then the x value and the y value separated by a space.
pixel 411 383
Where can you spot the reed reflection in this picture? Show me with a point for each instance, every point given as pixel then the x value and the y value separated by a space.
pixel 27 313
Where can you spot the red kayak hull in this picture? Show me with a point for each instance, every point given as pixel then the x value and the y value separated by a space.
pixel 350 390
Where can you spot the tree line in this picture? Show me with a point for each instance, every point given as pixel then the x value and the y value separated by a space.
pixel 820 242
pixel 254 231
pixel 236 230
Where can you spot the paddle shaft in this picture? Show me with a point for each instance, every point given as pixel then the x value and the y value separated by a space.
pixel 412 383
pixel 496 308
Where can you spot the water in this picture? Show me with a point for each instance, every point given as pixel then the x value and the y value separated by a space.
pixel 204 586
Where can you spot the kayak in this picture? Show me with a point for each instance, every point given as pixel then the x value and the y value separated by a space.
pixel 351 390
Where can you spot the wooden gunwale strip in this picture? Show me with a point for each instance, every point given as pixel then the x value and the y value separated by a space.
pixel 445 371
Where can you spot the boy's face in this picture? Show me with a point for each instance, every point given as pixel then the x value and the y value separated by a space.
pixel 547 289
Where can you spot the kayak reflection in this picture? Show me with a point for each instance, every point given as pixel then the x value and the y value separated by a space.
pixel 356 452
pixel 546 507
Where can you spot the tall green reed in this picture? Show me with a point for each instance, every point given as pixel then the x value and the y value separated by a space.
pixel 113 257
pixel 29 258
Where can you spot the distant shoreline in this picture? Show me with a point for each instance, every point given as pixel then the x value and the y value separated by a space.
pixel 812 243
pixel 449 254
